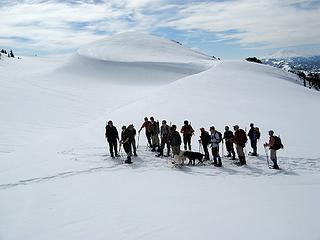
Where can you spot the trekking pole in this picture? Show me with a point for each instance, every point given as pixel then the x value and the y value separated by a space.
pixel 138 140
pixel 222 155
pixel 120 149
pixel 266 150
pixel 245 146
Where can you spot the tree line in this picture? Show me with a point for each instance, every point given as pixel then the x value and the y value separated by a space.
pixel 7 53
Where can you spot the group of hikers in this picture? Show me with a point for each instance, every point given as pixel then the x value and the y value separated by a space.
pixel 159 137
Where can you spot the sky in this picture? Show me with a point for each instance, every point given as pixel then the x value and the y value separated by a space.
pixel 229 29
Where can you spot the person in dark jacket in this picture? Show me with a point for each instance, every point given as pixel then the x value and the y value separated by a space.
pixel 165 135
pixel 133 132
pixel 175 140
pixel 187 132
pixel 240 139
pixel 154 131
pixel 205 139
pixel 228 137
pixel 215 141
pixel 146 125
pixel 125 141
pixel 253 136
pixel 112 137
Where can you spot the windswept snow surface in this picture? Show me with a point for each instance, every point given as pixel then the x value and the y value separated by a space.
pixel 140 47
pixel 57 180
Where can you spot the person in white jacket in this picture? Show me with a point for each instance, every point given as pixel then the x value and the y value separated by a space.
pixel 215 140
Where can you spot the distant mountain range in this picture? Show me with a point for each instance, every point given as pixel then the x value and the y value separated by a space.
pixel 293 62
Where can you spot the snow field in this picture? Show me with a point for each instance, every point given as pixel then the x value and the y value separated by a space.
pixel 57 180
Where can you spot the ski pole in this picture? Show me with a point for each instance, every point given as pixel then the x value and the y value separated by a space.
pixel 222 155
pixel 245 146
pixel 266 150
pixel 120 149
pixel 138 140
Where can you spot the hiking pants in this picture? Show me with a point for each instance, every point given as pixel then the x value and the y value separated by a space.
pixel 254 145
pixel 216 156
pixel 230 149
pixel 148 135
pixel 187 142
pixel 165 141
pixel 273 157
pixel 240 151
pixel 127 148
pixel 113 147
pixel 155 140
pixel 206 151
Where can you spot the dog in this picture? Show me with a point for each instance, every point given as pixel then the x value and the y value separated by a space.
pixel 193 156
pixel 178 160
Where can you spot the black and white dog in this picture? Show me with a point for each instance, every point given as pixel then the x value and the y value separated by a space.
pixel 193 156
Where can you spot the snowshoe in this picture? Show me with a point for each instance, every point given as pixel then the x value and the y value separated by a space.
pixel 274 167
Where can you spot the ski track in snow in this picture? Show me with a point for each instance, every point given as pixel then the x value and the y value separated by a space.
pixel 146 161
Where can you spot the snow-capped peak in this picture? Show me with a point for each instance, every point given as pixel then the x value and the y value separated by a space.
pixel 139 47
pixel 284 54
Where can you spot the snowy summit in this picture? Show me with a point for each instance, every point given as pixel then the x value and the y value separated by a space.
pixel 140 47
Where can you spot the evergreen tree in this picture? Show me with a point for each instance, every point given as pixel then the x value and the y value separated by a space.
pixel 11 54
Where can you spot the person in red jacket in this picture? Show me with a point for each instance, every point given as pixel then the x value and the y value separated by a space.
pixel 146 125
pixel 273 149
pixel 187 132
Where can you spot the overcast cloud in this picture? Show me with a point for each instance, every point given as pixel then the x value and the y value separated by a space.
pixel 62 26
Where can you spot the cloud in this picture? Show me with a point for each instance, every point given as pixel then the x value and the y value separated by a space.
pixel 273 23
pixel 58 24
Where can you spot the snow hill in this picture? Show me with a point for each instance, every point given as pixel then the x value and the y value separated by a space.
pixel 57 180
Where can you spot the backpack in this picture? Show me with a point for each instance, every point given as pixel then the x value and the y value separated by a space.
pixel 257 130
pixel 277 143
pixel 242 137
pixel 220 137
pixel 207 137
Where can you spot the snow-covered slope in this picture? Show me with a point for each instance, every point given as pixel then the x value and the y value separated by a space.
pixel 139 47
pixel 58 182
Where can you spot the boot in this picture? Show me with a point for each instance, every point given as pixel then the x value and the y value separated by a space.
pixel 153 149
pixel 244 161
pixel 275 164
pixel 219 164
pixel 128 160
pixel 160 153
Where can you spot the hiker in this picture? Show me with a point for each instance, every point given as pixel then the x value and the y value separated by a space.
pixel 254 135
pixel 228 137
pixel 112 137
pixel 154 132
pixel 240 139
pixel 132 139
pixel 273 146
pixel 125 141
pixel 146 125
pixel 187 132
pixel 216 138
pixel 175 140
pixel 205 139
pixel 164 134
